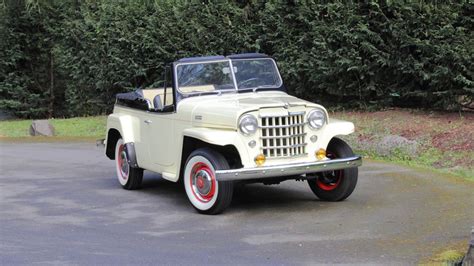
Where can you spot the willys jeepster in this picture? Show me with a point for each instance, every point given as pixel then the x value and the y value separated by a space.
pixel 218 121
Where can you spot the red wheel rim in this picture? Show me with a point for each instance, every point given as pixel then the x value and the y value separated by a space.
pixel 328 186
pixel 332 181
pixel 203 182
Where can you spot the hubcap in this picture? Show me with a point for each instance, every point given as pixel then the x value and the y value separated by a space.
pixel 202 182
pixel 123 163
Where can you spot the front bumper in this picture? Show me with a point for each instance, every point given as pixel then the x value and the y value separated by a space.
pixel 294 169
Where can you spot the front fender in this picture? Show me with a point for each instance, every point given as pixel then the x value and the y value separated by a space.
pixel 334 128
pixel 339 127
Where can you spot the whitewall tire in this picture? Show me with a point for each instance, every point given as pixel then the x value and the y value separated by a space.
pixel 129 177
pixel 205 193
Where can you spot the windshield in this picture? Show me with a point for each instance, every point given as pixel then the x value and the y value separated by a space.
pixel 204 77
pixel 218 76
pixel 256 73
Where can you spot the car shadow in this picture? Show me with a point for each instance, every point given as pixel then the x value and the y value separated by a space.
pixel 246 197
pixel 154 184
pixel 259 196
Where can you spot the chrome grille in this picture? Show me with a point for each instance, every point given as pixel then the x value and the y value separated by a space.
pixel 283 136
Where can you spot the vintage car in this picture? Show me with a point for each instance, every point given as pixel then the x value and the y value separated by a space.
pixel 220 121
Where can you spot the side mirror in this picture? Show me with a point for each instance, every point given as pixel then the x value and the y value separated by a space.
pixel 157 103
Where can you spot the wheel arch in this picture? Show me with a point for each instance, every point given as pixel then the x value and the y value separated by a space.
pixel 113 135
pixel 229 151
pixel 120 126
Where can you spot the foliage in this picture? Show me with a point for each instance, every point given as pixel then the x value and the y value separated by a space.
pixel 69 58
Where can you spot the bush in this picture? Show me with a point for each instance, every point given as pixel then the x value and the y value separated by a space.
pixel 66 58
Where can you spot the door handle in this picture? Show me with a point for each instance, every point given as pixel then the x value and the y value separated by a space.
pixel 147 121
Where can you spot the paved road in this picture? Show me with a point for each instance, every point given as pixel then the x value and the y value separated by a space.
pixel 60 204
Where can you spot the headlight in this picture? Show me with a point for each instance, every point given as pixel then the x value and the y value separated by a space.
pixel 248 125
pixel 316 118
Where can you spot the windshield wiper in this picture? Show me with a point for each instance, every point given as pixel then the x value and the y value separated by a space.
pixel 255 89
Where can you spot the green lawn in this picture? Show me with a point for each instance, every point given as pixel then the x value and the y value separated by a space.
pixel 84 127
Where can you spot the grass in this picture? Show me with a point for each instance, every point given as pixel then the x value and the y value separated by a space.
pixel 82 127
pixel 452 254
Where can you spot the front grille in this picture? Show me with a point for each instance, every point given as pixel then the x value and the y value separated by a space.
pixel 283 136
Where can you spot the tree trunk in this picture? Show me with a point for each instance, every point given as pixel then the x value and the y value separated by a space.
pixel 51 86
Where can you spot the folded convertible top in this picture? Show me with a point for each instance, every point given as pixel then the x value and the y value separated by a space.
pixel 133 99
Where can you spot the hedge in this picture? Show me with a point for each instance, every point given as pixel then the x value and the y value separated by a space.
pixel 68 58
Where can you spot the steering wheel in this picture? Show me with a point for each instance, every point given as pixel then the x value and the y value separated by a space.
pixel 243 82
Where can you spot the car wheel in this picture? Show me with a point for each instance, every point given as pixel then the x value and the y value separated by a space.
pixel 335 185
pixel 206 194
pixel 129 177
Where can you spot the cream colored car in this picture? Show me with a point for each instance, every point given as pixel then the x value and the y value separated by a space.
pixel 221 120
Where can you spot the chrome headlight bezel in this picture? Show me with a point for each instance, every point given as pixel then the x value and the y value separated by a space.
pixel 248 125
pixel 316 119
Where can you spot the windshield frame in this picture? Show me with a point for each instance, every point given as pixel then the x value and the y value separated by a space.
pixel 186 94
pixel 231 68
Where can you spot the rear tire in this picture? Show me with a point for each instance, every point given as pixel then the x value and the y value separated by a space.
pixel 205 193
pixel 339 184
pixel 129 177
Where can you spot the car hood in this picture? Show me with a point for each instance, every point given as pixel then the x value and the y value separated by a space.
pixel 224 110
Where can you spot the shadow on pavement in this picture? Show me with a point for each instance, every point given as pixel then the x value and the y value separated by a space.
pixel 246 197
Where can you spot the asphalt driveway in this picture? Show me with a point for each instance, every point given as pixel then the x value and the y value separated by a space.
pixel 61 204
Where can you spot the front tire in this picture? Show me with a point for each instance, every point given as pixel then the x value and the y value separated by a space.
pixel 129 177
pixel 205 193
pixel 335 185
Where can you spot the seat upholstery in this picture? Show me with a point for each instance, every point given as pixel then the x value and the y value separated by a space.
pixel 150 94
pixel 157 102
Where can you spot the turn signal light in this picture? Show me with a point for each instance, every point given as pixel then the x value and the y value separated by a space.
pixel 321 154
pixel 260 159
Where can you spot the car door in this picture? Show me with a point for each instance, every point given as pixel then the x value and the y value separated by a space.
pixel 158 131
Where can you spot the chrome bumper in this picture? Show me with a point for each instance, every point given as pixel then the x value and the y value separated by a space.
pixel 294 169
